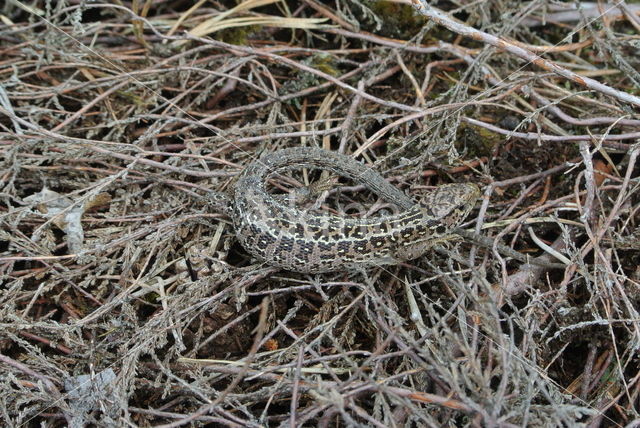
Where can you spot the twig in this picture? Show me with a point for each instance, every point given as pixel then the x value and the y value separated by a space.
pixel 425 9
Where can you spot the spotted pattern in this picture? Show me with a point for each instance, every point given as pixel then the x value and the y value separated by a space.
pixel 296 240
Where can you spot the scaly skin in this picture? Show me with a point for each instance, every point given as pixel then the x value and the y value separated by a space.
pixel 296 240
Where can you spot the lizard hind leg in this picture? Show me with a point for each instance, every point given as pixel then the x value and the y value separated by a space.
pixel 417 248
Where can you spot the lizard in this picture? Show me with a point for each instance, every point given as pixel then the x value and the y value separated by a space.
pixel 294 239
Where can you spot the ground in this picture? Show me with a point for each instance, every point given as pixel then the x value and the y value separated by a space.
pixel 126 299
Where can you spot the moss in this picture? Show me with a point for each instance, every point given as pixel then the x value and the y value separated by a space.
pixel 133 98
pixel 237 35
pixel 399 20
pixel 324 63
pixel 476 140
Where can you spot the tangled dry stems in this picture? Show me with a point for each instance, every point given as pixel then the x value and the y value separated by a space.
pixel 122 271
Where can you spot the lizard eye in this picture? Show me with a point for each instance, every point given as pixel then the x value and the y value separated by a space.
pixel 450 203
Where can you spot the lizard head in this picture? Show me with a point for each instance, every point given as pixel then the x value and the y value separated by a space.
pixel 449 204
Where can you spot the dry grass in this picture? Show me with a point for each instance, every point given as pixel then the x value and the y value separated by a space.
pixel 126 300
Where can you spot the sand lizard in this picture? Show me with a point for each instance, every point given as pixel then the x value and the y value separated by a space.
pixel 283 235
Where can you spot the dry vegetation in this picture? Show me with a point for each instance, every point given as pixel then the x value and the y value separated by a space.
pixel 126 300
